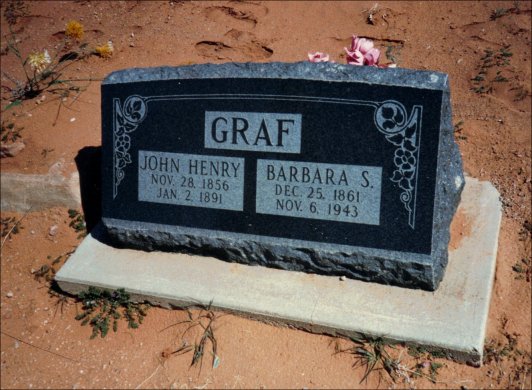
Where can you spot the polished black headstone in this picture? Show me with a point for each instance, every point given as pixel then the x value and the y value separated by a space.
pixel 325 168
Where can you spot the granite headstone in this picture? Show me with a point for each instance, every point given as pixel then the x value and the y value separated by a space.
pixel 323 168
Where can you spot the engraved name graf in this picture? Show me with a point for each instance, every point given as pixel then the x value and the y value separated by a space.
pixel 255 131
pixel 390 118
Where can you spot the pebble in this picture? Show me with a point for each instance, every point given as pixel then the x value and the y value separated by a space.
pixel 53 230
pixel 72 119
pixel 342 278
pixel 9 294
pixel 12 150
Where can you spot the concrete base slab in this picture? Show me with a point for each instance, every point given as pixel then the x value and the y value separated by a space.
pixel 22 192
pixel 452 319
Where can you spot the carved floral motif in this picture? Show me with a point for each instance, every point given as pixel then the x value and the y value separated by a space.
pixel 126 120
pixel 392 121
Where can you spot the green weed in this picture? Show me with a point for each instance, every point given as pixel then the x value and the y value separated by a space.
pixel 483 82
pixel 520 93
pixel 512 366
pixel 458 130
pixel 523 269
pixel 102 309
pixel 393 52
pixel 15 9
pixel 500 12
pixel 9 226
pixel 77 222
pixel 47 271
pixel 10 133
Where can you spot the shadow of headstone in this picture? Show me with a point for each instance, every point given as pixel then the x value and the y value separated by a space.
pixel 88 162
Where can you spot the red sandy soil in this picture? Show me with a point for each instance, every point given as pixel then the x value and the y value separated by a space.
pixel 43 346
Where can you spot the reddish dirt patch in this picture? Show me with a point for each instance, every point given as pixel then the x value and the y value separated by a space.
pixel 42 347
pixel 460 229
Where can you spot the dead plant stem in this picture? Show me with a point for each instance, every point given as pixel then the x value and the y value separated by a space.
pixel 35 346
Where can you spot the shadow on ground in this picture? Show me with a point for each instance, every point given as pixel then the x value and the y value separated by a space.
pixel 88 162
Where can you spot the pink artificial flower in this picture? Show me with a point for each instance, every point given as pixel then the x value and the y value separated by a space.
pixel 362 52
pixel 372 57
pixel 318 57
pixel 354 57
pixel 361 44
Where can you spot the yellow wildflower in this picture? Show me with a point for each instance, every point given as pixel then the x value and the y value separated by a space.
pixel 74 29
pixel 39 61
pixel 105 51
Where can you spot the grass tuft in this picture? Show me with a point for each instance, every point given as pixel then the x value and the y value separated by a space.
pixel 203 318
pixel 377 356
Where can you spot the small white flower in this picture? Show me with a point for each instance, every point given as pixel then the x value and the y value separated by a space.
pixel 39 61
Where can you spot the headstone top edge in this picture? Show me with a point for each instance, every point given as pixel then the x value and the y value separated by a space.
pixel 400 77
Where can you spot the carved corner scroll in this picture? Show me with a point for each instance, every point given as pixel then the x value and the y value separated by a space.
pixel 126 119
pixel 403 132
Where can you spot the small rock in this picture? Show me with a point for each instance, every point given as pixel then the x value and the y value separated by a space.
pixel 57 168
pixel 11 150
pixel 72 119
pixel 342 278
pixel 9 294
pixel 53 230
